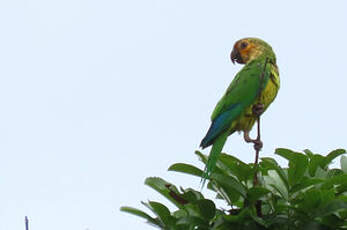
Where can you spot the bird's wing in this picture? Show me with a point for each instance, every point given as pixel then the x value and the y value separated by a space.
pixel 241 93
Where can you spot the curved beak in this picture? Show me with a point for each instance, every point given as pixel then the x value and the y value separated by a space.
pixel 236 56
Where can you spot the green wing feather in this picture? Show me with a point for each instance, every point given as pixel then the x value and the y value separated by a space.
pixel 244 87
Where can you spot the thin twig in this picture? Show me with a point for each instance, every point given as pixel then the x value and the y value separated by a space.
pixel 257 150
pixel 26 223
pixel 256 112
pixel 257 145
pixel 255 179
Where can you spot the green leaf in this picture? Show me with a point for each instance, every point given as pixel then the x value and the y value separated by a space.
pixel 286 153
pixel 305 183
pixel 336 180
pixel 315 161
pixel 327 195
pixel 162 212
pixel 308 152
pixel 274 181
pixel 186 168
pixel 260 221
pixel 297 168
pixel 341 188
pixel 306 195
pixel 332 155
pixel 238 168
pixel 270 163
pixel 320 173
pixel 192 221
pixel 191 209
pixel 191 195
pixel 226 193
pixel 332 221
pixel 334 172
pixel 162 187
pixel 140 213
pixel 180 213
pixel 256 193
pixel 298 163
pixel 279 219
pixel 312 200
pixel 239 216
pixel 229 182
pixel 207 208
pixel 344 163
pixel 202 157
pixel 313 225
pixel 332 207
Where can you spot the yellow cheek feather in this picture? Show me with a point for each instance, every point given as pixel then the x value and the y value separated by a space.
pixel 246 52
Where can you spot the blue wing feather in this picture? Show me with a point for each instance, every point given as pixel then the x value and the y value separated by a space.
pixel 221 123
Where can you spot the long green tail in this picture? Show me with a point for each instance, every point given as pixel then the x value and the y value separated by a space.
pixel 213 157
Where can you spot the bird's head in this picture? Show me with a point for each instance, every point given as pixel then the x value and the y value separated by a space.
pixel 247 49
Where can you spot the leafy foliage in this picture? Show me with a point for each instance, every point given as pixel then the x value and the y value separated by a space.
pixel 305 195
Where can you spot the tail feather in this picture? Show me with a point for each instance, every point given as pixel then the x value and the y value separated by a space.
pixel 213 157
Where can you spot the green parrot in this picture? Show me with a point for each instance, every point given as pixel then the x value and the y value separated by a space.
pixel 256 84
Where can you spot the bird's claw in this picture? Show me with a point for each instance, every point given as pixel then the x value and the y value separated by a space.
pixel 246 136
pixel 258 109
pixel 258 144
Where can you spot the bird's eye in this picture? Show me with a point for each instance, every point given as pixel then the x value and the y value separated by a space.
pixel 243 45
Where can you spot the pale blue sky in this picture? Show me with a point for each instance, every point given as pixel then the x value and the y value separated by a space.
pixel 97 95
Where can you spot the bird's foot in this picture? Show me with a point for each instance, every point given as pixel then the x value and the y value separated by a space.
pixel 258 144
pixel 258 109
pixel 247 138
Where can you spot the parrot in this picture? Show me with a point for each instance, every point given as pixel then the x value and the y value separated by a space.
pixel 255 86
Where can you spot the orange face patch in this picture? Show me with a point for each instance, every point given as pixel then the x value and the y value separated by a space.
pixel 244 47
